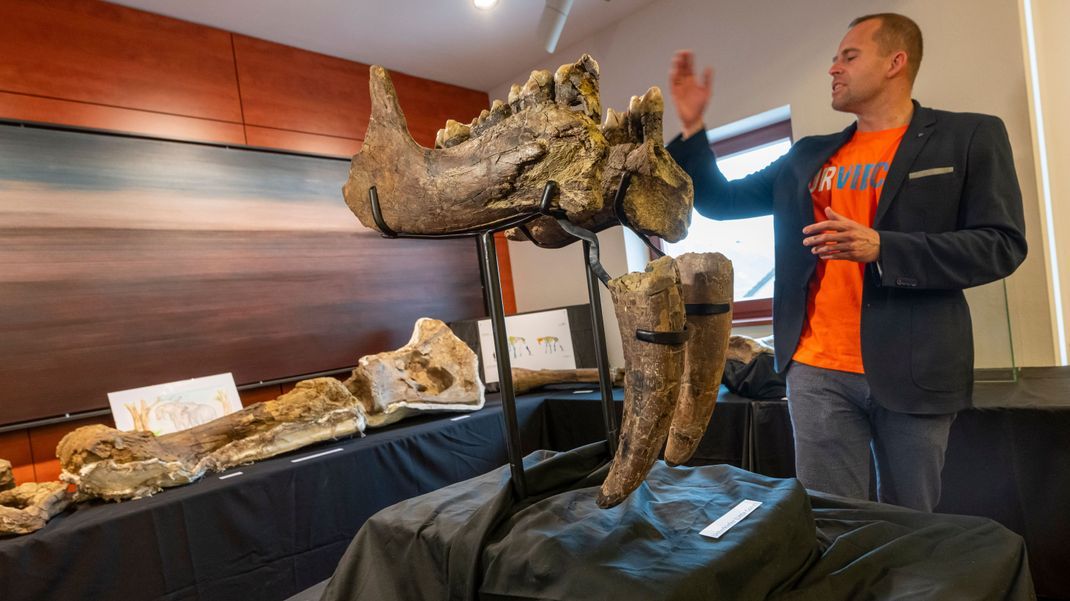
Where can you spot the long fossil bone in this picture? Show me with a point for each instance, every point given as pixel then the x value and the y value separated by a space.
pixel 490 170
pixel 104 462
pixel 706 279
pixel 645 301
pixel 526 380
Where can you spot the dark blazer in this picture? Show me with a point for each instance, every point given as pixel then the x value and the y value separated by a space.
pixel 949 217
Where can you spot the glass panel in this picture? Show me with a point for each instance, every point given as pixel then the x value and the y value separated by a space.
pixel 747 242
pixel 992 343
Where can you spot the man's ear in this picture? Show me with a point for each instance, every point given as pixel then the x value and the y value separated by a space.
pixel 897 64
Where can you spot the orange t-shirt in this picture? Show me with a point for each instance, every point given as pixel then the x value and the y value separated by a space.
pixel 851 181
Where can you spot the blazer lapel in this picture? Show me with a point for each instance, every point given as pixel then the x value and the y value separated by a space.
pixel 918 133
pixel 809 166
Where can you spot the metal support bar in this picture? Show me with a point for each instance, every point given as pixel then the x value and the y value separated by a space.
pixel 488 259
pixel 488 256
pixel 605 384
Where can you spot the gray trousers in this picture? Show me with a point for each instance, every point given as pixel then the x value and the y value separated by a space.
pixel 839 427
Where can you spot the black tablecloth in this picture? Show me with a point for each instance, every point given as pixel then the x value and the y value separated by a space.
pixel 282 526
pixel 476 540
pixel 1008 464
pixel 275 530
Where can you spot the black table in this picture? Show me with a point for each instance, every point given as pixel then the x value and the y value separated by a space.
pixel 1008 459
pixel 274 530
pixel 281 526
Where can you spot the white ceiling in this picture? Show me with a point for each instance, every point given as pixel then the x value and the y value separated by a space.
pixel 445 40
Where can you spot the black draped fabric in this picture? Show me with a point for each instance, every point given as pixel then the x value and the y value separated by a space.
pixel 1013 465
pixel 1010 464
pixel 476 540
pixel 274 530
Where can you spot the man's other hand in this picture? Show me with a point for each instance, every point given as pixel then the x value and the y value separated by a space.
pixel 688 94
pixel 843 239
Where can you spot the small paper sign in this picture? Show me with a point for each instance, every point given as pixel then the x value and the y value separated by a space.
pixel 536 341
pixel 733 517
pixel 175 406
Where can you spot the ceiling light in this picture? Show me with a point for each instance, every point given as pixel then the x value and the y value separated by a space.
pixel 552 22
pixel 485 4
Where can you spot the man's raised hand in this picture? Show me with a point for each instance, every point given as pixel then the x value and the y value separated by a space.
pixel 689 94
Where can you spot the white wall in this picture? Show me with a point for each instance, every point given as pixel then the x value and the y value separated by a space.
pixel 768 53
pixel 1050 18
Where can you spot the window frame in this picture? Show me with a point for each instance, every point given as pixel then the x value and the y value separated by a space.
pixel 758 311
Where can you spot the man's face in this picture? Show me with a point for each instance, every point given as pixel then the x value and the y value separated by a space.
pixel 858 69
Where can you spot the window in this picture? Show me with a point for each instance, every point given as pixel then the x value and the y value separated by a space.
pixel 747 242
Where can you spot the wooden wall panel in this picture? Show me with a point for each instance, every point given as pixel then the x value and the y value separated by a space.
pixel 428 104
pixel 259 395
pixel 291 140
pixel 129 262
pixel 505 272
pixel 88 63
pixel 79 114
pixel 287 88
pixel 101 53
pixel 154 307
pixel 15 447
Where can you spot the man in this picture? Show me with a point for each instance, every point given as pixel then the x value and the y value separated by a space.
pixel 878 229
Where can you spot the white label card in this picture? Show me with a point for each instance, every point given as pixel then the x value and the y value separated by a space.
pixel 733 517
pixel 540 340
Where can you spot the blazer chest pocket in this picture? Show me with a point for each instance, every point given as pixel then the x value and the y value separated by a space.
pixel 922 173
pixel 931 195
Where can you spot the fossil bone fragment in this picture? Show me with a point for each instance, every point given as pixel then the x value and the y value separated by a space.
pixel 106 463
pixel 706 279
pixel 745 349
pixel 7 479
pixel 526 380
pixel 491 170
pixel 648 301
pixel 659 196
pixel 29 506
pixel 435 371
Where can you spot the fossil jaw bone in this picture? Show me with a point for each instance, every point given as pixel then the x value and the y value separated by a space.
pixel 659 197
pixel 486 172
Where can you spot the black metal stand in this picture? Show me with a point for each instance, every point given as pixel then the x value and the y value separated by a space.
pixel 488 258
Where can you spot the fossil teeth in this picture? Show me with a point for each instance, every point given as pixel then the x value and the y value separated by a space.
pixel 455 133
pixel 649 116
pixel 576 87
pixel 499 109
pixel 498 112
pixel 538 90
pixel 615 129
pixel 514 97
